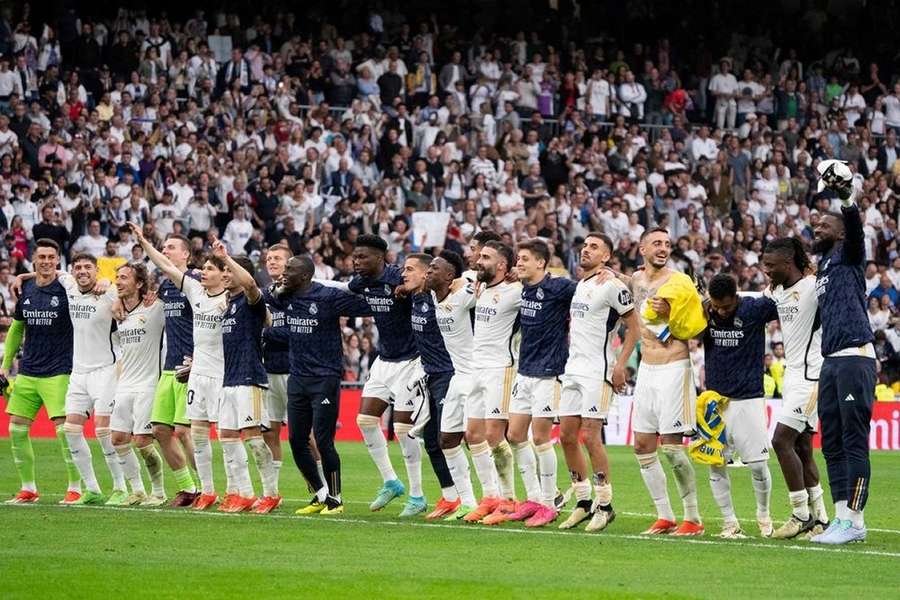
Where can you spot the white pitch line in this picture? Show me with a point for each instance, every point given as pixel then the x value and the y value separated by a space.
pixel 600 536
pixel 621 514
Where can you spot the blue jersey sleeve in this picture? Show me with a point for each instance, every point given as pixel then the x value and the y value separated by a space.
pixel 854 247
pixel 762 309
pixel 350 305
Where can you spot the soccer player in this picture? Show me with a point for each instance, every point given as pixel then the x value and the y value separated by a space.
pixel 392 378
pixel 794 292
pixel 453 312
pixel 734 347
pixel 313 312
pixel 439 374
pixel 42 316
pixel 664 397
pixel 587 387
pixel 494 352
pixel 171 426
pixel 140 340
pixel 475 245
pixel 543 317
pixel 847 379
pixel 243 386
pixel 276 351
pixel 208 303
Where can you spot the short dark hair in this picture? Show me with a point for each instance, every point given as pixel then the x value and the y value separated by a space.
pixel 538 248
pixel 47 243
pixel 215 260
pixel 504 251
pixel 722 286
pixel 246 264
pixel 455 260
pixel 140 274
pixel 181 238
pixel 85 256
pixel 372 241
pixel 485 236
pixel 654 230
pixel 603 238
pixel 425 259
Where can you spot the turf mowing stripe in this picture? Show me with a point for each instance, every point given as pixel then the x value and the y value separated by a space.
pixel 635 515
pixel 601 536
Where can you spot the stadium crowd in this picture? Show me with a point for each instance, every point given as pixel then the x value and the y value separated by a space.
pixel 313 140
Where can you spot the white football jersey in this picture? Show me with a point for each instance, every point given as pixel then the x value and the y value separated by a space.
pixel 92 322
pixel 454 319
pixel 140 340
pixel 496 325
pixel 798 313
pixel 209 357
pixel 595 311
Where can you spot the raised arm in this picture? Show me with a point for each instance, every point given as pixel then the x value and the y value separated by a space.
pixel 854 238
pixel 238 273
pixel 159 259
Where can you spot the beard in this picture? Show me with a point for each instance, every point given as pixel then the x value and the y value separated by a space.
pixel 486 275
pixel 822 246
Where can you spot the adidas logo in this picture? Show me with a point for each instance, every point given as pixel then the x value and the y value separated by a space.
pixel 249 419
pixel 677 424
pixel 592 409
pixel 326 401
pixel 547 409
pixel 496 411
pixel 765 451
pixel 27 302
pixel 849 398
pixel 798 410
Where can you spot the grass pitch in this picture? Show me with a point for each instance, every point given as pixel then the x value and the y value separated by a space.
pixel 49 551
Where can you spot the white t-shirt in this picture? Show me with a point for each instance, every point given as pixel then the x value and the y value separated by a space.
pixel 797 311
pixel 140 340
pixel 892 110
pixel 595 312
pixel 92 320
pixel 209 357
pixel 496 325
pixel 454 321
pixel 723 84
pixel 509 200
pixel 237 234
pixel 746 104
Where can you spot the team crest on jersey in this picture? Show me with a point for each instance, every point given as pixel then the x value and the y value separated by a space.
pixel 496 298
pixel 540 294
pixel 387 290
pixel 738 322
pixel 233 308
pixel 424 307
pixel 625 297
pixel 826 263
pixel 142 319
pixel 795 296
pixel 313 309
pixel 54 301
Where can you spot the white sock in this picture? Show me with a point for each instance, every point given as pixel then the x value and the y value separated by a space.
pixel 762 487
pixel 485 469
pixel 603 493
pixel 236 455
pixel 81 455
pixel 412 458
pixel 203 458
pixel 841 511
pixel 322 493
pixel 231 486
pixel 154 467
pixel 582 490
pixel 262 454
pixel 527 464
pixel 131 468
pixel 856 517
pixel 276 474
pixel 370 427
pixel 503 461
pixel 685 479
pixel 449 493
pixel 104 437
pixel 547 463
pixel 459 470
pixel 721 491
pixel 655 479
pixel 817 503
pixel 800 504
pixel 321 470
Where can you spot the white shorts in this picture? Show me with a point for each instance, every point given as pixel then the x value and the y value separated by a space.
pixel 798 405
pixel 132 412
pixel 664 399
pixel 93 392
pixel 491 392
pixel 745 429
pixel 537 397
pixel 392 382
pixel 276 399
pixel 585 397
pixel 204 396
pixel 241 407
pixel 453 411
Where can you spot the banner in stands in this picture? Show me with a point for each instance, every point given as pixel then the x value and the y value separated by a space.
pixel 885 433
